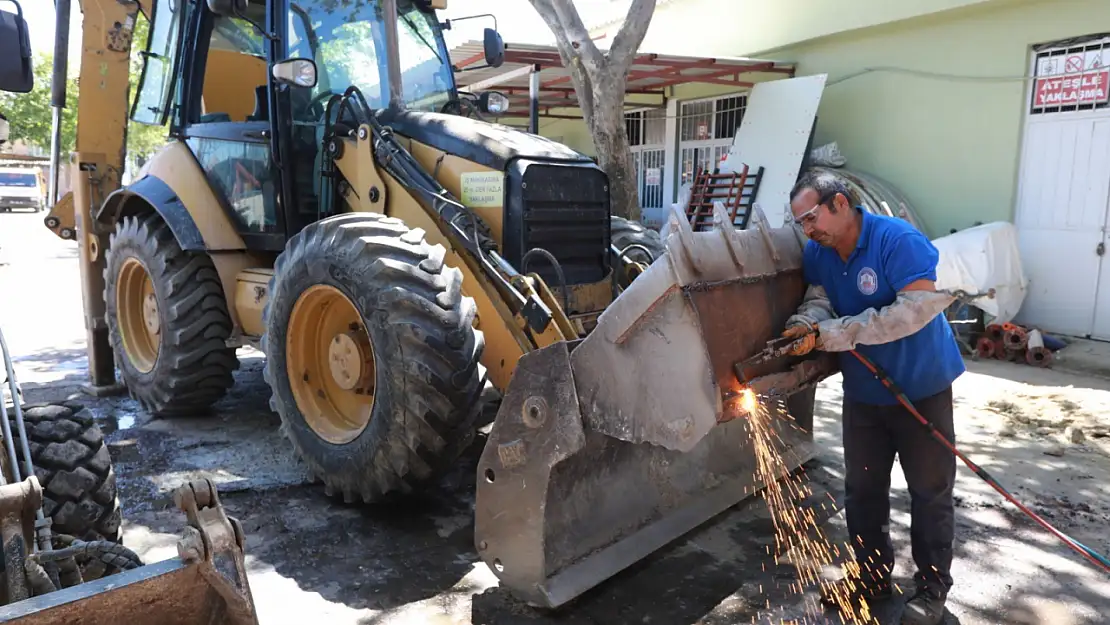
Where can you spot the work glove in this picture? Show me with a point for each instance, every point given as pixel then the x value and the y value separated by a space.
pixel 809 339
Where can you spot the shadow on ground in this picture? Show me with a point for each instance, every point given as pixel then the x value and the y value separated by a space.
pixel 1008 569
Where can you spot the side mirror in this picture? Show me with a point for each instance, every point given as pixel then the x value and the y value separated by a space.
pixel 227 7
pixel 16 69
pixel 494 47
pixel 4 130
pixel 493 102
pixel 295 72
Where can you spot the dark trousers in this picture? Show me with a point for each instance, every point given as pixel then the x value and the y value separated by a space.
pixel 872 436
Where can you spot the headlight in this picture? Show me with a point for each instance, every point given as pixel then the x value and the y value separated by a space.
pixel 493 102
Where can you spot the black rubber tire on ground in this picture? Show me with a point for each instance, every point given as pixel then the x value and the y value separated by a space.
pixel 74 468
pixel 194 365
pixel 428 380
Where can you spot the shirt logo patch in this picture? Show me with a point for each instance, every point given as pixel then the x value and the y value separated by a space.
pixel 867 281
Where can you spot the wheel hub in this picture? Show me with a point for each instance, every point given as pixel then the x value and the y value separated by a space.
pixel 350 358
pixel 137 314
pixel 150 314
pixel 330 364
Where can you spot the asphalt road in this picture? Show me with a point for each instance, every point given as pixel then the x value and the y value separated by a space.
pixel 312 559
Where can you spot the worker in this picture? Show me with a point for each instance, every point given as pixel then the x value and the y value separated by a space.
pixel 871 288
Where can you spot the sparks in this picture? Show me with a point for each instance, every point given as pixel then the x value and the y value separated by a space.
pixel 797 531
pixel 748 401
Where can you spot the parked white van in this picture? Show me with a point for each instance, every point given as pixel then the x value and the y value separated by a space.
pixel 19 188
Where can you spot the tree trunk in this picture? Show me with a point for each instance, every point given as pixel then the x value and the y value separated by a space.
pixel 599 82
pixel 614 156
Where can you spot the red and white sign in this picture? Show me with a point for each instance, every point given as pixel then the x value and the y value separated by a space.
pixel 1086 88
pixel 1072 79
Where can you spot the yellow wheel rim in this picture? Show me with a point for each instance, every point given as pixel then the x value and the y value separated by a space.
pixel 137 313
pixel 330 364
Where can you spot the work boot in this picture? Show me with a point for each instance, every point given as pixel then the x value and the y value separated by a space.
pixel 854 588
pixel 925 607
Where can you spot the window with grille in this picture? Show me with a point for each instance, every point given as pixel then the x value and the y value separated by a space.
pixel 647 127
pixel 711 119
pixel 706 129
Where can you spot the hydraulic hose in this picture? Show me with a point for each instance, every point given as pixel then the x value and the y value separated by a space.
pixel 539 251
pixel 1100 561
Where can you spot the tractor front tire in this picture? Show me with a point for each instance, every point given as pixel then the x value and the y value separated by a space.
pixel 167 319
pixel 372 355
pixel 74 468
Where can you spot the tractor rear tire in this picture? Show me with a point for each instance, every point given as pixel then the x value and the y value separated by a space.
pixel 74 468
pixel 625 232
pixel 420 381
pixel 182 365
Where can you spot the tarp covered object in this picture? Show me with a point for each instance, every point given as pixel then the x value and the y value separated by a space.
pixel 982 258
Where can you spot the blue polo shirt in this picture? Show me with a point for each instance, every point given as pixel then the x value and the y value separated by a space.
pixel 890 254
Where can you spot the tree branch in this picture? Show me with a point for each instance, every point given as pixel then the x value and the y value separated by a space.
pixel 571 35
pixel 631 34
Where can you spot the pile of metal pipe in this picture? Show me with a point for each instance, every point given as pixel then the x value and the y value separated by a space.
pixel 1013 343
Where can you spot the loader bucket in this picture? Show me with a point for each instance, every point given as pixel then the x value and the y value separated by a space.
pixel 205 585
pixel 608 448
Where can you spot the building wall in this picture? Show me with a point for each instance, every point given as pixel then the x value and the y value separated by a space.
pixel 950 140
pixel 749 27
pixel 570 132
pixel 951 144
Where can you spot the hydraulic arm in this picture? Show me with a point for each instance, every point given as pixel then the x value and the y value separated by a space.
pixel 106 27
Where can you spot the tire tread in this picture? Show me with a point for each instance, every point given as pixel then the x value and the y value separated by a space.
pixel 437 362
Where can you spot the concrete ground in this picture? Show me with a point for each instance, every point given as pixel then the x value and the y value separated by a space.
pixel 1044 434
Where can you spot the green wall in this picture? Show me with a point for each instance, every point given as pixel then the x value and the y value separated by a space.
pixel 744 27
pixel 951 145
pixel 570 132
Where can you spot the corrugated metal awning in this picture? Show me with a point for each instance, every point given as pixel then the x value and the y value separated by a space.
pixel 650 73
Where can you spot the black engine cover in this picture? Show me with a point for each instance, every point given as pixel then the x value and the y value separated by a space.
pixel 562 208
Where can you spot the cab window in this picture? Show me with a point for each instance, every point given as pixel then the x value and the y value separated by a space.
pixel 152 101
pixel 344 40
pixel 234 87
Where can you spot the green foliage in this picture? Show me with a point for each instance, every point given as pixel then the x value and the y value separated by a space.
pixel 30 114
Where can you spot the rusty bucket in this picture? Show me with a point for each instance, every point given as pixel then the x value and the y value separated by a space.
pixel 205 585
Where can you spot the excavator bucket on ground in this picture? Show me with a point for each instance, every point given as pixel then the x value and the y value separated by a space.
pixel 606 449
pixel 205 585
pixel 42 583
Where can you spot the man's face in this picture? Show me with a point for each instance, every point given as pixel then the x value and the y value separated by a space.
pixel 817 221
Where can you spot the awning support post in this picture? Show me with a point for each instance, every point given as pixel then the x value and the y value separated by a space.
pixel 534 100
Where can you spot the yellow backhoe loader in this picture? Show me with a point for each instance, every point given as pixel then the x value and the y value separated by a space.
pixel 330 197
